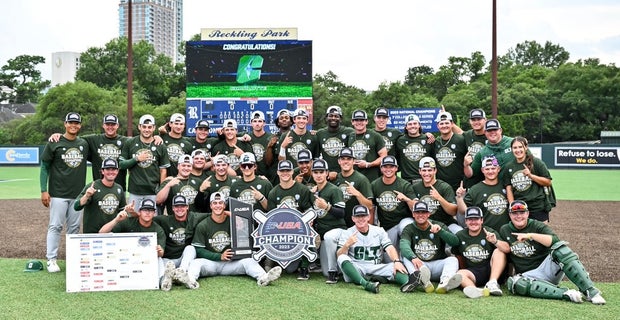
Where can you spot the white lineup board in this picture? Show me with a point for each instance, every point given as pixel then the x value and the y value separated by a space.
pixel 112 262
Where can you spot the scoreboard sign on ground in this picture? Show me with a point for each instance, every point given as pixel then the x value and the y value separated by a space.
pixel 427 118
pixel 231 79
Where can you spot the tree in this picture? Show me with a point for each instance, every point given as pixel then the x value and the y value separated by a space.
pixel 328 90
pixel 531 53
pixel 21 75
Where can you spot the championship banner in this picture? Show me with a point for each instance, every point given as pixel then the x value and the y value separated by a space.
pixel 112 262
pixel 284 235
pixel 241 227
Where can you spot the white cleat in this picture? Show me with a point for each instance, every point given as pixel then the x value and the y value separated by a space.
pixel 272 275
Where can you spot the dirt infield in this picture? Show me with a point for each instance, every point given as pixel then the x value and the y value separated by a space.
pixel 589 226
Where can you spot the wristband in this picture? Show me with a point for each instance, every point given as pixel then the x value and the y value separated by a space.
pixel 261 199
pixel 282 152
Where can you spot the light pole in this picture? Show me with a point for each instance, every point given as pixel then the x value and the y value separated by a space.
pixel 494 63
pixel 129 70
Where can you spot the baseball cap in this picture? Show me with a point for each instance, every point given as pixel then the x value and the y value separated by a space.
pixel 420 206
pixel 319 164
pixel 177 117
pixel 147 204
pixel 202 124
pixel 73 117
pixel 359 115
pixel 220 158
pixel 109 163
pixel 301 113
pixel 198 152
pixel 389 161
pixel 473 212
pixel 518 206
pixel 247 158
pixel 283 112
pixel 346 152
pixel 304 155
pixel 110 118
pixel 382 112
pixel 334 110
pixel 216 195
pixel 186 158
pixel 490 161
pixel 477 114
pixel 257 115
pixel 147 119
pixel 360 210
pixel 285 165
pixel 442 116
pixel 179 200
pixel 33 266
pixel 427 162
pixel 492 124
pixel 412 117
pixel 230 123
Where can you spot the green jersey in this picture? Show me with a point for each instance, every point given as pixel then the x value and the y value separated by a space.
pixel 213 236
pixel 102 207
pixel 66 172
pixel 242 190
pixel 529 254
pixel 186 187
pixel 502 151
pixel 205 146
pixel 202 198
pixel 133 225
pixel 178 233
pixel 493 202
pixel 390 210
pixel 523 188
pixel 176 147
pixel 325 220
pixel 223 148
pixel 144 176
pixel 476 250
pixel 425 245
pixel 437 212
pixel 101 148
pixel 330 144
pixel 409 152
pixel 300 142
pixel 449 155
pixel 359 182
pixel 474 144
pixel 296 197
pixel 366 146
pixel 390 135
pixel 259 148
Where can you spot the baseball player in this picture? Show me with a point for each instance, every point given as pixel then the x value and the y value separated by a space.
pixel 390 135
pixel 411 148
pixel 360 254
pixel 298 138
pixel 450 150
pixel 250 189
pixel 176 144
pixel 483 262
pixel 220 181
pixel 63 170
pixel 260 141
pixel 367 145
pixel 303 172
pixel 183 183
pixel 423 246
pixel 102 199
pixel 212 240
pixel 541 260
pixel 497 145
pixel 332 139
pixel 356 188
pixel 232 146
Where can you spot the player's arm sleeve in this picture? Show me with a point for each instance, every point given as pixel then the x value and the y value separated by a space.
pixel 202 252
pixel 337 210
pixel 449 237
pixel 76 203
pixel 43 175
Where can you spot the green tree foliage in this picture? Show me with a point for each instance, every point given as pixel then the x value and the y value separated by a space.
pixel 328 91
pixel 155 76
pixel 21 75
pixel 531 53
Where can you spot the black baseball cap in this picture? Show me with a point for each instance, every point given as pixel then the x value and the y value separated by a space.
pixel 420 206
pixel 346 152
pixel 202 124
pixel 492 124
pixel 389 161
pixel 147 204
pixel 382 112
pixel 319 165
pixel 477 114
pixel 304 155
pixel 109 163
pixel 110 118
pixel 473 212
pixel 359 115
pixel 179 200
pixel 360 210
pixel 73 117
pixel 285 165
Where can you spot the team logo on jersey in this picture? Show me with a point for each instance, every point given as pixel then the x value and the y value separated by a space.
pixel 387 201
pixel 247 196
pixel 496 204
pixel 343 187
pixel 289 201
pixel 475 148
pixel 522 249
pixel 73 157
pixel 425 249
pixel 233 161
pixel 177 235
pixel 432 204
pixel 476 253
pixel 220 241
pixel 109 151
pixel 414 151
pixel 520 182
pixel 445 156
pixel 332 146
pixel 360 149
pixel 295 148
pixel 189 193
pixel 388 142
pixel 259 151
pixel 175 151
pixel 148 162
pixel 109 204
pixel 284 235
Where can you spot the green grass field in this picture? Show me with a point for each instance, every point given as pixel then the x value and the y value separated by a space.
pixel 599 185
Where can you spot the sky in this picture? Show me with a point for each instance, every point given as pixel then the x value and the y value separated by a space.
pixel 365 43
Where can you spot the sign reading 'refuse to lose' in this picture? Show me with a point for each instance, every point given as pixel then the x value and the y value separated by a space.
pixel 587 157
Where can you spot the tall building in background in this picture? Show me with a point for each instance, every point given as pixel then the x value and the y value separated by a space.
pixel 160 22
pixel 64 67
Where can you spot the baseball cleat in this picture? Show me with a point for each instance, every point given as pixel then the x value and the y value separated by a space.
pixel 181 276
pixel 474 293
pixel 574 295
pixel 414 282
pixel 269 277
pixel 449 284
pixel 332 277
pixel 303 274
pixel 596 299
pixel 494 288
pixel 372 287
pixel 425 278
pixel 166 281
pixel 52 266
